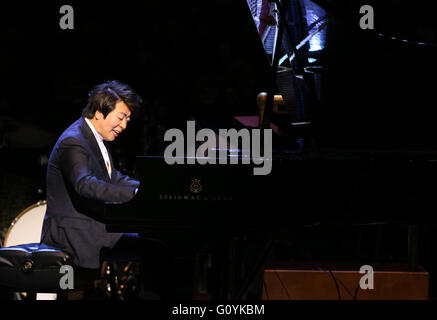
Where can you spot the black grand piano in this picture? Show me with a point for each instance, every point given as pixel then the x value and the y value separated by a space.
pixel 355 145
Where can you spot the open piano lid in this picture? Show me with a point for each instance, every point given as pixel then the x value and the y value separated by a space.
pixel 373 88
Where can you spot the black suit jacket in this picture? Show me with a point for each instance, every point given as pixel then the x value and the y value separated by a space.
pixel 78 184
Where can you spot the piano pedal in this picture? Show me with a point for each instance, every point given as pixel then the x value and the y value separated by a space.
pixel 122 280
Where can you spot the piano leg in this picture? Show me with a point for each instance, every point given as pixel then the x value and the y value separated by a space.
pixel 211 271
pixel 413 243
pixel 255 270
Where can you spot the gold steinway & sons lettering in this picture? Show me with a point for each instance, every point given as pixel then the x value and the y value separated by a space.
pixel 186 197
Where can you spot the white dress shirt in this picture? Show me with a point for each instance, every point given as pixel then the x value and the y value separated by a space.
pixel 101 146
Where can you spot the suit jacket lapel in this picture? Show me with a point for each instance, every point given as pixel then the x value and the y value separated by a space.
pixel 95 150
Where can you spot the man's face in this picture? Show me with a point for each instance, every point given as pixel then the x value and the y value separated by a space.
pixel 114 123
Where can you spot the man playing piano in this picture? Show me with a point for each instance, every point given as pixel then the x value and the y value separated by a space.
pixel 81 178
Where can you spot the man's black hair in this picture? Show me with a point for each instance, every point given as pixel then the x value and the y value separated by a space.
pixel 105 96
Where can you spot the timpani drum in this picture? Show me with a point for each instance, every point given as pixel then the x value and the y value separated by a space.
pixel 27 226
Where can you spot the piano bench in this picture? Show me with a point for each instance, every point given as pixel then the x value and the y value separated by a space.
pixel 35 267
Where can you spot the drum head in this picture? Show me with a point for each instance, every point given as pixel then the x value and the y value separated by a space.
pixel 27 226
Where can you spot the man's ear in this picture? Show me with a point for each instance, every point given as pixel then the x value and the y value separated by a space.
pixel 98 115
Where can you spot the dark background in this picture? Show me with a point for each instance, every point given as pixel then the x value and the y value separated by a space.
pixel 183 59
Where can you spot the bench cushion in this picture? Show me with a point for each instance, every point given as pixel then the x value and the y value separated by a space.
pixel 32 266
